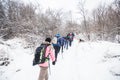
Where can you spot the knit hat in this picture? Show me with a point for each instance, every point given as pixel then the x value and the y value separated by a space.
pixel 48 39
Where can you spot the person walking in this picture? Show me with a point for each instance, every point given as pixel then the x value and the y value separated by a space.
pixel 61 42
pixel 56 47
pixel 70 37
pixel 49 52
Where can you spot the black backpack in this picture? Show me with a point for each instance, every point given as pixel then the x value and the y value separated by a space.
pixel 39 56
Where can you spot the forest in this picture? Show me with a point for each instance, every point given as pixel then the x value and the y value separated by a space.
pixel 30 22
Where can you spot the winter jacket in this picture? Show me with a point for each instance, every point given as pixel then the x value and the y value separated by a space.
pixel 50 52
pixel 57 48
pixel 70 36
pixel 60 41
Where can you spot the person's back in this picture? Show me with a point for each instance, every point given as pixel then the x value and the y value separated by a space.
pixel 57 50
pixel 44 66
pixel 49 52
pixel 56 47
pixel 61 42
pixel 65 42
pixel 70 37
pixel 39 56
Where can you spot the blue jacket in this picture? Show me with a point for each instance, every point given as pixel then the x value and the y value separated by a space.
pixel 56 47
pixel 60 41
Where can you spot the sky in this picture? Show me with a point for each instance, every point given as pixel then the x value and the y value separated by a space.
pixel 68 5
pixel 98 60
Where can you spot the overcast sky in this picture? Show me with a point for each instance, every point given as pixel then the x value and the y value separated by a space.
pixel 68 5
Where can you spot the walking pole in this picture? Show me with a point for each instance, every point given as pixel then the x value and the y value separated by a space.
pixel 49 67
pixel 62 55
pixel 62 52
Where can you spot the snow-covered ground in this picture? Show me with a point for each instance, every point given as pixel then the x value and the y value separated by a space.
pixel 82 61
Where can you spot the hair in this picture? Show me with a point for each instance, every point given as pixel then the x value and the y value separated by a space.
pixel 48 39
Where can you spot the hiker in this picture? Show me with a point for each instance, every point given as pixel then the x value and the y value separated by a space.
pixel 44 66
pixel 66 41
pixel 60 41
pixel 56 47
pixel 70 37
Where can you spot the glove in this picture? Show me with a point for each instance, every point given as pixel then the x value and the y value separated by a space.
pixel 53 63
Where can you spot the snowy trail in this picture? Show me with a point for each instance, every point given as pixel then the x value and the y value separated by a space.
pixel 85 61
pixel 82 61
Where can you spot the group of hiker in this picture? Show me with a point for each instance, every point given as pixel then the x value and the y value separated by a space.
pixel 60 43
pixel 50 49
